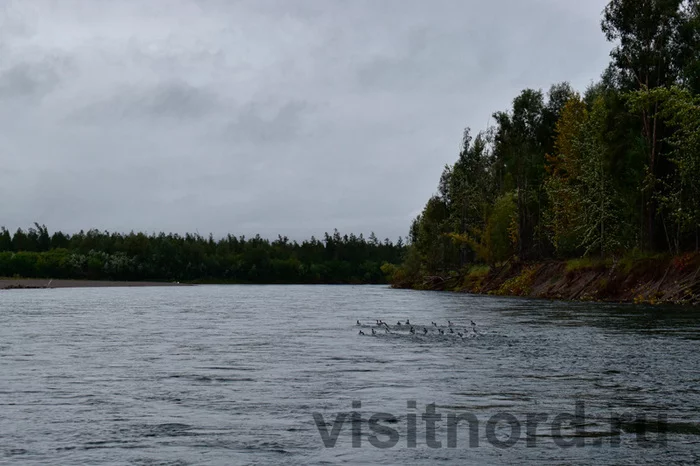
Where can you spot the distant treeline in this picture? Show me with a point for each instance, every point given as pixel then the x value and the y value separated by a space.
pixel 137 256
pixel 565 175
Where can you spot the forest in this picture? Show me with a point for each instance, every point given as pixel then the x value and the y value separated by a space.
pixel 561 174
pixel 97 255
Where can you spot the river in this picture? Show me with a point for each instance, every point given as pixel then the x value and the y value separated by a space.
pixel 220 375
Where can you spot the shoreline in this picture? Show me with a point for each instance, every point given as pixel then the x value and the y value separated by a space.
pixel 651 280
pixel 43 283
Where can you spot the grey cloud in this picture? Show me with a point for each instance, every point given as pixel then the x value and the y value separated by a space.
pixel 176 100
pixel 426 61
pixel 263 116
pixel 25 79
pixel 282 124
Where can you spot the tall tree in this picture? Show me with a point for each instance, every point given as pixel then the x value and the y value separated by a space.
pixel 679 191
pixel 562 183
pixel 656 46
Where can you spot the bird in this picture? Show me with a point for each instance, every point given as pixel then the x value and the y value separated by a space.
pixel 473 324
pixel 373 332
pixel 425 331
pixel 449 323
pixel 412 330
pixel 434 324
pixel 361 332
pixel 460 334
pixel 358 323
pixel 407 322
pixel 441 331
pixel 451 331
pixel 398 324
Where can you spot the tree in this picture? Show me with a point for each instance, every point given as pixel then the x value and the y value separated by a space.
pixel 657 46
pixel 470 192
pixel 562 184
pixel 599 222
pixel 501 231
pixel 5 240
pixel 432 240
pixel 679 193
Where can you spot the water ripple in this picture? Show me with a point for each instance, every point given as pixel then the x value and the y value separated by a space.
pixel 234 374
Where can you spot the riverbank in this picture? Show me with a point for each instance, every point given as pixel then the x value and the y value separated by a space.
pixel 659 279
pixel 30 283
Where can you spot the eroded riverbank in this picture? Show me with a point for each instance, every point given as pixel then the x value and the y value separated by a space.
pixel 653 280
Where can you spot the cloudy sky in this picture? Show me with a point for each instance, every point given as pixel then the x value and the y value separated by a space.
pixel 256 116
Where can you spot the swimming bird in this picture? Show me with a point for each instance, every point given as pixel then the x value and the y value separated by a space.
pixel 412 330
pixel 473 324
pixel 373 332
pixel 361 332
pixel 451 331
pixel 441 331
pixel 407 322
pixel 425 331
pixel 358 323
pixel 460 334
pixel 398 324
pixel 434 324
pixel 449 323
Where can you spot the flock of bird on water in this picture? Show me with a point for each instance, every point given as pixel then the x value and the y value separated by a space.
pixel 450 329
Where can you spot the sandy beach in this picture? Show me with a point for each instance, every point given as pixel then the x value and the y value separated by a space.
pixel 6 284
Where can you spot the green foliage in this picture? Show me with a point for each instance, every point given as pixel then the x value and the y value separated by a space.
pixel 587 263
pixel 520 285
pixel 632 260
pixel 478 270
pixel 562 181
pixel 569 176
pixel 678 193
pixel 136 256
pixel 475 277
pixel 600 220
pixel 656 41
pixel 501 230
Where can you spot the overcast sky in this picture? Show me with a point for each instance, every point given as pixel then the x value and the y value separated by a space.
pixel 289 116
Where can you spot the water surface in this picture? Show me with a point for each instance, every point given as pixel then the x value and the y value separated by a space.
pixel 233 375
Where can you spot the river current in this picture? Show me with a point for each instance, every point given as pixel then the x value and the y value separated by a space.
pixel 220 375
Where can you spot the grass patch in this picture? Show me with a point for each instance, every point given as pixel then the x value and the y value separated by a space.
pixel 478 271
pixel 641 261
pixel 587 263
pixel 475 277
pixel 521 284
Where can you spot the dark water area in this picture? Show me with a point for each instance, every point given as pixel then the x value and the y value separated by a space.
pixel 220 375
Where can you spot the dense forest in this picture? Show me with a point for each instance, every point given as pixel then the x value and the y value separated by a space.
pixel 612 171
pixel 100 255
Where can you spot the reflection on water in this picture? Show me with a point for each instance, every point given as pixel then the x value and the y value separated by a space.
pixel 238 374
